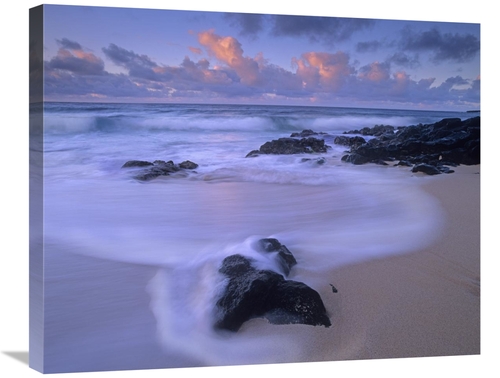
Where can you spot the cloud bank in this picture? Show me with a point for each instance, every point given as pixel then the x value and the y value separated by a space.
pixel 224 73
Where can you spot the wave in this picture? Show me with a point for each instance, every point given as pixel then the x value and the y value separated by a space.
pixel 81 118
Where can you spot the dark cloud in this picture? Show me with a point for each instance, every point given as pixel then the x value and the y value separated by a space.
pixel 82 63
pixel 370 46
pixel 75 65
pixel 139 66
pixel 448 92
pixel 318 29
pixel 248 23
pixel 276 80
pixel 472 95
pixel 443 46
pixel 127 58
pixel 106 85
pixel 71 57
pixel 451 82
pixel 326 30
pixel 399 89
pixel 70 45
pixel 404 60
pixel 476 86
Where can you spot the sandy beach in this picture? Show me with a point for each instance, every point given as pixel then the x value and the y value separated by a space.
pixel 425 303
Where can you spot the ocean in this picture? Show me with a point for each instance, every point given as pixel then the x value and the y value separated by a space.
pixel 327 212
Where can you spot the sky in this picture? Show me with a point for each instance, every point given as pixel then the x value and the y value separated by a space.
pixel 108 54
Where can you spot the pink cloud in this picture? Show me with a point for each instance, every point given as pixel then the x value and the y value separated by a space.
pixel 309 75
pixel 376 72
pixel 228 50
pixel 195 50
pixel 325 69
pixel 89 57
pixel 200 72
pixel 72 58
pixel 401 82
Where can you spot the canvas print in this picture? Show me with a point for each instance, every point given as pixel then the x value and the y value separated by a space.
pixel 214 189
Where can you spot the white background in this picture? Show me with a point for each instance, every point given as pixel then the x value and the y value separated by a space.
pixel 14 303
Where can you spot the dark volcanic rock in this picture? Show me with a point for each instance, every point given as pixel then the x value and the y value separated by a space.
pixel 305 134
pixel 253 153
pixel 376 130
pixel 353 142
pixel 356 159
pixel 430 169
pixel 289 146
pixel 426 168
pixel 158 168
pixel 136 163
pixel 319 161
pixel 167 166
pixel 404 163
pixel 450 142
pixel 188 165
pixel 285 257
pixel 253 293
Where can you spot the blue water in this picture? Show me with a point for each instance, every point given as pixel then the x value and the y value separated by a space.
pixel 328 214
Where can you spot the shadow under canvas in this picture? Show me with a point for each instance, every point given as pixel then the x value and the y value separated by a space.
pixel 20 356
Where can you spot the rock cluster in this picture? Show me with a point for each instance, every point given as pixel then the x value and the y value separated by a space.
pixel 257 293
pixel 306 133
pixel 426 148
pixel 158 168
pixel 291 145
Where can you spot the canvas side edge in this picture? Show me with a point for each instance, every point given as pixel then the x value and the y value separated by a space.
pixel 36 268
